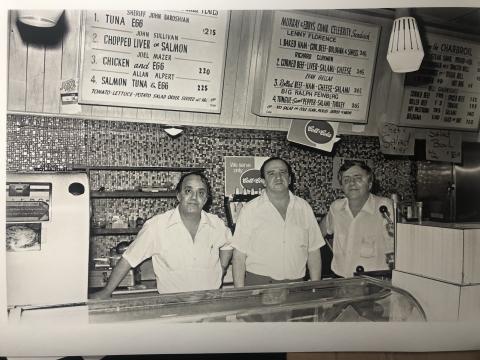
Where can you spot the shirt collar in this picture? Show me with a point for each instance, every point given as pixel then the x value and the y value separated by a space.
pixel 175 218
pixel 369 205
pixel 264 196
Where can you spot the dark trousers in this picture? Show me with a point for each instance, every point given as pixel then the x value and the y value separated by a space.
pixel 255 279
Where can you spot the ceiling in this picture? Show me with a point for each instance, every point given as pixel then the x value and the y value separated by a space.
pixel 458 17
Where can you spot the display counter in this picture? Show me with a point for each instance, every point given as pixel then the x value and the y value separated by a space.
pixel 354 299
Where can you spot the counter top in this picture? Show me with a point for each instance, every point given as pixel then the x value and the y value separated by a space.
pixel 448 225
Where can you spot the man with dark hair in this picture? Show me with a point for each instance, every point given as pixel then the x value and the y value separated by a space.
pixel 362 236
pixel 189 247
pixel 277 235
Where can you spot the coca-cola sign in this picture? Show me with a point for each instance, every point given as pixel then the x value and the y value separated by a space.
pixel 251 179
pixel 319 132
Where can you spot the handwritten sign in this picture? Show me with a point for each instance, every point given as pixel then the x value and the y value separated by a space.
pixel 443 145
pixel 396 140
pixel 318 134
pixel 154 59
pixel 314 67
pixel 445 92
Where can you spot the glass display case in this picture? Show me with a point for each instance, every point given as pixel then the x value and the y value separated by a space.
pixel 348 300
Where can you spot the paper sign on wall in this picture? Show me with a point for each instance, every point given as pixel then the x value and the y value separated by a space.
pixel 243 173
pixel 396 140
pixel 318 134
pixel 443 145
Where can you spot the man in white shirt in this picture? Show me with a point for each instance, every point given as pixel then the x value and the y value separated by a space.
pixel 362 236
pixel 189 247
pixel 276 236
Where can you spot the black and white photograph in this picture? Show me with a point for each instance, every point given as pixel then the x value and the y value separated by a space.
pixel 256 170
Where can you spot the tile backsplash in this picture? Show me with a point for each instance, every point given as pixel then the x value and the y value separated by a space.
pixel 46 143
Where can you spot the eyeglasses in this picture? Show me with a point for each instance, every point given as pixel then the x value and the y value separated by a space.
pixel 353 179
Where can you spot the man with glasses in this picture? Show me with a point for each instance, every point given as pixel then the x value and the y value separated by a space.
pixel 277 235
pixel 362 236
pixel 189 247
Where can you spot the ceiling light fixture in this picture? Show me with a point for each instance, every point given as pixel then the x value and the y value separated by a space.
pixel 39 18
pixel 173 131
pixel 405 50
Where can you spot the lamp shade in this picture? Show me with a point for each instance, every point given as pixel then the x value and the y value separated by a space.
pixel 39 18
pixel 405 51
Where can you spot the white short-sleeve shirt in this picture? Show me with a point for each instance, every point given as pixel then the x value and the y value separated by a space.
pixel 276 247
pixel 181 263
pixel 360 240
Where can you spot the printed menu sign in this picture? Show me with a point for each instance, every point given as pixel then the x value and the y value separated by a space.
pixel 242 173
pixel 442 145
pixel 315 67
pixel 445 91
pixel 318 134
pixel 154 59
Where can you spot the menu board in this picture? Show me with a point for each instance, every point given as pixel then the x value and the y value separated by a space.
pixel 154 59
pixel 445 91
pixel 315 67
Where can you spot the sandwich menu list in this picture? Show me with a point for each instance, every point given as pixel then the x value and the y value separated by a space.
pixel 154 59
pixel 445 91
pixel 315 67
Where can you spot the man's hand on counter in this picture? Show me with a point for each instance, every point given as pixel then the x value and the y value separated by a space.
pixel 103 294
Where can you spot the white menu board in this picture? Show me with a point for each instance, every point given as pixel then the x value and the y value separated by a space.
pixel 154 59
pixel 445 91
pixel 315 67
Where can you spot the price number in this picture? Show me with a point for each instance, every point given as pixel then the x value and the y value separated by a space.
pixel 202 87
pixel 208 31
pixel 203 70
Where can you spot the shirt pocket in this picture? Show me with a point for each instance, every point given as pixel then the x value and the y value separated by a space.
pixel 298 237
pixel 171 257
pixel 368 248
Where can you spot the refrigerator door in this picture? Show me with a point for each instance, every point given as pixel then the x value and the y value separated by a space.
pixel 467 183
pixel 47 238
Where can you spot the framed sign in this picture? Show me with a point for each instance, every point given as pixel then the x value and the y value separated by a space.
pixel 154 59
pixel 445 91
pixel 314 67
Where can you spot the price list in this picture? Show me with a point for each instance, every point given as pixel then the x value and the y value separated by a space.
pixel 318 68
pixel 445 91
pixel 154 59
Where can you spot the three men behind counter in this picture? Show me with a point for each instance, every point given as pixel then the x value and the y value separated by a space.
pixel 277 236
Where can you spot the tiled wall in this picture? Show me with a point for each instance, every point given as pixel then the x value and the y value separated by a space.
pixel 42 143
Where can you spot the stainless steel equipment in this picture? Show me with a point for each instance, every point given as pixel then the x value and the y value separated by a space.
pixel 450 192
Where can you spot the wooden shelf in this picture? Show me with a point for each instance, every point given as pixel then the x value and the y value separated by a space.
pixel 131 194
pixel 110 231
